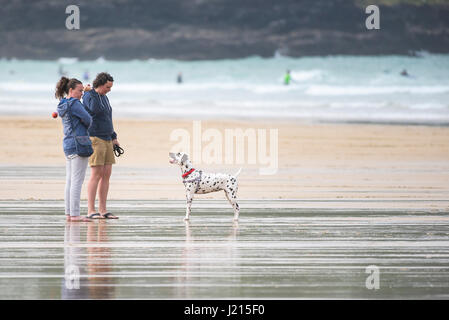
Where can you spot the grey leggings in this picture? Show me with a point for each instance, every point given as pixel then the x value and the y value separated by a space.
pixel 75 173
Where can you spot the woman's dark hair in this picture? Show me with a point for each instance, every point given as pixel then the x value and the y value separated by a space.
pixel 101 79
pixel 63 86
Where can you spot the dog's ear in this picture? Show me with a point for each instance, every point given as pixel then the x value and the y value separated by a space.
pixel 183 159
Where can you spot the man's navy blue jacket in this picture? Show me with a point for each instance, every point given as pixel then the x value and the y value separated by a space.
pixel 101 112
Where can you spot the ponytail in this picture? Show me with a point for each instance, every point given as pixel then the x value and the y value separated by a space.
pixel 63 86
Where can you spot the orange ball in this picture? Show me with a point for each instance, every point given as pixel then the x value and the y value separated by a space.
pixel 54 114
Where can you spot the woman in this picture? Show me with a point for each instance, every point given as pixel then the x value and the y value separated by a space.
pixel 76 120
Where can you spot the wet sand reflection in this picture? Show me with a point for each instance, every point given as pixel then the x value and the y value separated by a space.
pixel 87 268
pixel 208 269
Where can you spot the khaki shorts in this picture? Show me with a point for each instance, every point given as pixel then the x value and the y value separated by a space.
pixel 103 152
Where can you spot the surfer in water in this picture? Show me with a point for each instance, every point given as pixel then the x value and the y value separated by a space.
pixel 287 78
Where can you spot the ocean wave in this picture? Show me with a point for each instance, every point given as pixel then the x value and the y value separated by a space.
pixel 312 90
pixel 302 76
pixel 325 90
pixel 27 87
pixel 67 60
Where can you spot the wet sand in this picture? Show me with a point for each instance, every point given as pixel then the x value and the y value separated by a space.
pixel 289 253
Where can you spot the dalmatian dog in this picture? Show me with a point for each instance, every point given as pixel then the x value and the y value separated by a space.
pixel 199 182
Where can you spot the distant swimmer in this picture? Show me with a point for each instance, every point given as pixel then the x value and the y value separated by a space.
pixel 86 75
pixel 179 78
pixel 404 73
pixel 287 78
pixel 61 71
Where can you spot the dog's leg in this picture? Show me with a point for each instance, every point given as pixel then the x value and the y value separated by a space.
pixel 189 199
pixel 227 197
pixel 232 198
pixel 236 207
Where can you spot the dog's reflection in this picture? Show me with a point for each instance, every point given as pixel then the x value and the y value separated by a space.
pixel 209 263
pixel 87 267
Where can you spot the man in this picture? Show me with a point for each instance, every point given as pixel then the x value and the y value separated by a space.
pixel 103 139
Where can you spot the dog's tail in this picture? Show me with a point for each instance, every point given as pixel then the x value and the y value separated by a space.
pixel 238 172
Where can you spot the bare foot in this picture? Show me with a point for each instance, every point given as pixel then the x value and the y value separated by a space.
pixel 80 219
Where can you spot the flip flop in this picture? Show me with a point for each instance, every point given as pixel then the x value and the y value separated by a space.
pixel 94 215
pixel 107 215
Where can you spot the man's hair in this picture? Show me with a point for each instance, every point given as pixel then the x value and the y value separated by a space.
pixel 101 79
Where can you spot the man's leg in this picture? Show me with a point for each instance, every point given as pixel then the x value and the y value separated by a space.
pixel 95 176
pixel 103 188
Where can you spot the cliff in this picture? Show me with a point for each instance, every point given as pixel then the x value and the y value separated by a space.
pixel 216 29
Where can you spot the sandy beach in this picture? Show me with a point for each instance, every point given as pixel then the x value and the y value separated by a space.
pixel 345 198
pixel 315 162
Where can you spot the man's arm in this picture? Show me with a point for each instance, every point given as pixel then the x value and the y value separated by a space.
pixel 79 111
pixel 114 134
pixel 92 102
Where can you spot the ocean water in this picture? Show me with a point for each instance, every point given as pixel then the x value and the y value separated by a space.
pixel 334 88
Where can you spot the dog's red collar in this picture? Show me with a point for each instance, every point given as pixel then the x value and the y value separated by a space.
pixel 188 172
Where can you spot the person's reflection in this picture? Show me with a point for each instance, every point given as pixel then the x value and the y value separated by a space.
pixel 100 281
pixel 74 281
pixel 205 266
